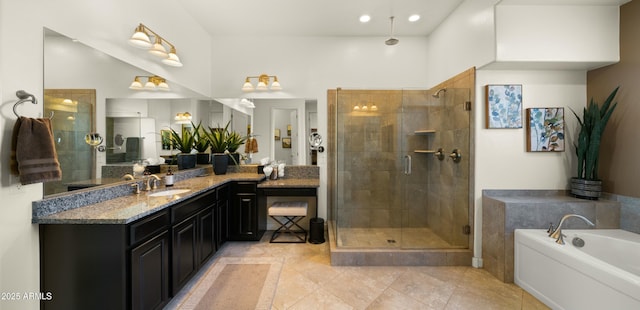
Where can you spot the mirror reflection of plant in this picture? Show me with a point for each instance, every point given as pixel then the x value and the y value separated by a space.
pixel 201 142
pixel 218 139
pixel 183 143
pixel 234 141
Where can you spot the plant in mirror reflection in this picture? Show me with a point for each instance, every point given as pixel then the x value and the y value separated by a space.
pixel 218 138
pixel 183 143
pixel 201 142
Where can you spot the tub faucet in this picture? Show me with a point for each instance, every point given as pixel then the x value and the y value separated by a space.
pixel 557 233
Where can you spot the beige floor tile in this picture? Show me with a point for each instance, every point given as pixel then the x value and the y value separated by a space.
pixel 531 303
pixel 308 281
pixel 321 300
pixel 427 289
pixel 292 287
pixel 392 299
pixel 355 288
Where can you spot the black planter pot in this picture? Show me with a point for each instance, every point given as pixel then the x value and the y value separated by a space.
pixel 203 158
pixel 186 161
pixel 234 159
pixel 220 163
pixel 586 189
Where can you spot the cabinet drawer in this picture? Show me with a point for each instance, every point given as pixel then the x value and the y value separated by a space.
pixel 185 209
pixel 245 187
pixel 148 226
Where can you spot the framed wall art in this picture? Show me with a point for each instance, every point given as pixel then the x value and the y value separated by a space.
pixel 286 143
pixel 276 134
pixel 503 106
pixel 545 130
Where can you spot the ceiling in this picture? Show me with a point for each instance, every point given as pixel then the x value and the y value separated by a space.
pixel 317 18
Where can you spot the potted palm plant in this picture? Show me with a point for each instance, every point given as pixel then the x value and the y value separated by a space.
pixel 594 119
pixel 218 142
pixel 201 144
pixel 184 143
pixel 234 141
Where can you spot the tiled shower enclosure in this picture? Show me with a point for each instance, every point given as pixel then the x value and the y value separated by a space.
pixel 391 190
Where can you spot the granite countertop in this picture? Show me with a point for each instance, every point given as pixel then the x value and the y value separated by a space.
pixel 128 208
pixel 290 183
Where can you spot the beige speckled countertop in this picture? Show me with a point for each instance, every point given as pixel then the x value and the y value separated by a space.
pixel 126 209
pixel 291 183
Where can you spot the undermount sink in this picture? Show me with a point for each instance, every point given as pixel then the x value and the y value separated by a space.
pixel 169 192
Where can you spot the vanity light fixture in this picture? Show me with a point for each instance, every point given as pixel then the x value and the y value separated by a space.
pixel 154 82
pixel 365 107
pixel 141 38
pixel 263 82
pixel 247 103
pixel 183 118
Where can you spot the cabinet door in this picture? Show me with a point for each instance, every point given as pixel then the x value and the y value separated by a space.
pixel 150 273
pixel 222 222
pixel 243 217
pixel 206 230
pixel 185 252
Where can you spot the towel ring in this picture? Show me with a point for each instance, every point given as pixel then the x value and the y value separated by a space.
pixel 25 97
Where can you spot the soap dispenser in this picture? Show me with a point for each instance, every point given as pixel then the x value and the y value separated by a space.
pixel 168 179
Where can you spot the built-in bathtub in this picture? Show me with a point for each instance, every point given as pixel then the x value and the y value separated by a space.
pixel 603 274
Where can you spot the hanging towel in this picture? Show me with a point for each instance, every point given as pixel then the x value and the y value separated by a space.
pixel 33 152
pixel 251 146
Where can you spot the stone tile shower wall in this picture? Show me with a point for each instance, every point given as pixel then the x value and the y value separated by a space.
pixel 448 186
pixel 367 167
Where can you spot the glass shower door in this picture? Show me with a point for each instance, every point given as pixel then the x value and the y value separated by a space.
pixel 436 197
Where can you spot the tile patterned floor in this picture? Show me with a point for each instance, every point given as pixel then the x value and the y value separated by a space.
pixel 308 281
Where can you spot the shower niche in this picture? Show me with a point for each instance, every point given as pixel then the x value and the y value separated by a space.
pixel 425 132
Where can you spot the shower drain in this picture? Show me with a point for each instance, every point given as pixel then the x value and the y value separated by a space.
pixel 391 241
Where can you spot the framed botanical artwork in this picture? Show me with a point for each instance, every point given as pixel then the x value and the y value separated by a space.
pixel 545 130
pixel 276 134
pixel 288 130
pixel 286 143
pixel 165 137
pixel 503 106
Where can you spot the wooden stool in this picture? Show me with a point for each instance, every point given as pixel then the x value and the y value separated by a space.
pixel 288 214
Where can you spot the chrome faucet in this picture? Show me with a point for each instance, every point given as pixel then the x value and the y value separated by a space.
pixel 152 182
pixel 557 233
pixel 128 177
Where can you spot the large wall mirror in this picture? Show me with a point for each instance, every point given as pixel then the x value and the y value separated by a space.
pixel 88 92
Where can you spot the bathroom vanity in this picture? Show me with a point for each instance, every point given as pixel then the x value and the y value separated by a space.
pixel 136 251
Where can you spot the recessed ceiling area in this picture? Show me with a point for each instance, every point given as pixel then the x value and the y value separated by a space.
pixel 318 18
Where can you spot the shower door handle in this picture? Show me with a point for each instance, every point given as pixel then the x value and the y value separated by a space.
pixel 407 164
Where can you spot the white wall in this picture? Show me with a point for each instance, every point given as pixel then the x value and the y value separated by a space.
pixel 105 25
pixel 543 33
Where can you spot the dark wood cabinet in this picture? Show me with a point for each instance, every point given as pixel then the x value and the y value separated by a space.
pixel 222 216
pixel 140 265
pixel 185 255
pixel 244 221
pixel 193 237
pixel 150 273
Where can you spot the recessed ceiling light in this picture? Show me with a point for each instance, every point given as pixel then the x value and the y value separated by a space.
pixel 365 18
pixel 414 18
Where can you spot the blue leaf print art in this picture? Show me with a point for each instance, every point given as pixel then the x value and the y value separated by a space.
pixel 545 130
pixel 504 106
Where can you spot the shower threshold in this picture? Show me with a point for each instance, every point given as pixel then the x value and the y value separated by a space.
pixel 392 255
